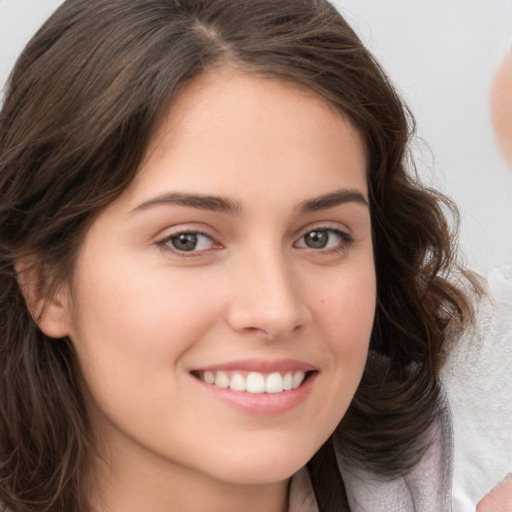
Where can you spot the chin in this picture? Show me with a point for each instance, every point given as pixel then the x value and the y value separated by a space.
pixel 261 466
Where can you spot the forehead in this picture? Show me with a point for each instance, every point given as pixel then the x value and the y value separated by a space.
pixel 228 127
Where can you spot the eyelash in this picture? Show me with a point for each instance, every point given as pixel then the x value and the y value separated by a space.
pixel 166 243
pixel 345 241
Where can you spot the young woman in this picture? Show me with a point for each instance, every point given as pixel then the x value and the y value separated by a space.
pixel 222 285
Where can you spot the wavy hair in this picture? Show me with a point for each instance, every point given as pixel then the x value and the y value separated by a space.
pixel 80 107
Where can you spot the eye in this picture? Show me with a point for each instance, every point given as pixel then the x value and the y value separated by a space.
pixel 324 239
pixel 189 241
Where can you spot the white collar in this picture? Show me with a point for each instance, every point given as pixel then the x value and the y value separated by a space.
pixel 302 496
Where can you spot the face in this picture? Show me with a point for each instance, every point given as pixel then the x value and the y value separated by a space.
pixel 221 307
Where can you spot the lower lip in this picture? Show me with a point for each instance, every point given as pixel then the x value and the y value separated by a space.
pixel 263 404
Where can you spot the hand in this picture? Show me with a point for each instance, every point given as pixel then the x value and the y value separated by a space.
pixel 499 499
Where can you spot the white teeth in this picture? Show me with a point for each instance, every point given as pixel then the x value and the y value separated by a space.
pixel 255 382
pixel 288 381
pixel 221 380
pixel 209 377
pixel 274 383
pixel 298 379
pixel 237 383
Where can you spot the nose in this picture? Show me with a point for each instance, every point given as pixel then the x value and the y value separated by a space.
pixel 266 298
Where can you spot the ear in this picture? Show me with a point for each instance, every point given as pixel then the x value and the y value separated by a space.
pixel 50 308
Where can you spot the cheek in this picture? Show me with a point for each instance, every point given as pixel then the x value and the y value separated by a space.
pixel 127 314
pixel 348 310
pixel 131 330
pixel 346 322
pixel 352 309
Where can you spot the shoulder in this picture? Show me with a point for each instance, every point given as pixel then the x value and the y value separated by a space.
pixel 482 357
pixel 425 488
pixel 478 384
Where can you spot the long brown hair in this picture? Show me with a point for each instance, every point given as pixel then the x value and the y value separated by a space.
pixel 80 107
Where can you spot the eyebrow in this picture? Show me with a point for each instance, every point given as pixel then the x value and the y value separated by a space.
pixel 199 201
pixel 224 205
pixel 333 199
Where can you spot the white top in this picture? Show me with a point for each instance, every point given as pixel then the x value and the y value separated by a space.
pixel 426 488
pixel 478 382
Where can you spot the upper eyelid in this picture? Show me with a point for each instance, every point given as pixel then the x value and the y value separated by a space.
pixel 337 231
pixel 179 229
pixel 341 246
pixel 323 226
pixel 164 243
pixel 164 238
pixel 169 232
pixel 176 230
pixel 346 239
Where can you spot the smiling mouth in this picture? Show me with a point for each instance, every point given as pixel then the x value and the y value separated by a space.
pixel 254 382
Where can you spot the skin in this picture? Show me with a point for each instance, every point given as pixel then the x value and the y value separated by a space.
pixel 499 499
pixel 142 314
pixel 501 106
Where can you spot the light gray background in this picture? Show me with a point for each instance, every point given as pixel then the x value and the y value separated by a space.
pixel 442 55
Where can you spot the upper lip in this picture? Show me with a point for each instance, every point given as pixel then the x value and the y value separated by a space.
pixel 260 365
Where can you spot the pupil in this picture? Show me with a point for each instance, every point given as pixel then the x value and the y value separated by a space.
pixel 316 239
pixel 185 242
